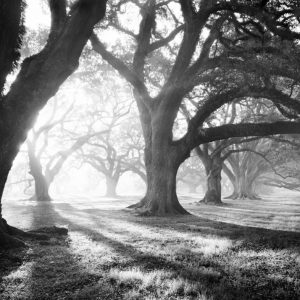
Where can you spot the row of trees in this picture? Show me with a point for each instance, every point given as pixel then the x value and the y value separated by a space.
pixel 218 53
pixel 40 75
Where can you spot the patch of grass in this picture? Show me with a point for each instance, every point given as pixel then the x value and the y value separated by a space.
pixel 117 255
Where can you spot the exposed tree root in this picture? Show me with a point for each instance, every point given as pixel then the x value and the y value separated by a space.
pixel 148 208
pixel 11 237
pixel 212 199
pixel 244 196
pixel 139 204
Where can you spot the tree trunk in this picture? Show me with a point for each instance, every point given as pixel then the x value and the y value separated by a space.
pixel 213 193
pixel 41 189
pixel 7 240
pixel 111 187
pixel 161 198
pixel 41 184
pixel 235 186
pixel 38 80
pixel 244 189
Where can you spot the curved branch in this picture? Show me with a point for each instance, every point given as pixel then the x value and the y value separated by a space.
pixel 207 135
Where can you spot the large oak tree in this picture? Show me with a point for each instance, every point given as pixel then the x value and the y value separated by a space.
pixel 40 76
pixel 234 39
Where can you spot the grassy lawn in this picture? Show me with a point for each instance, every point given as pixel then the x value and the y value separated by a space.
pixel 242 250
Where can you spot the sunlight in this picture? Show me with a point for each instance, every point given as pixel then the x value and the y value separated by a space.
pixel 36 16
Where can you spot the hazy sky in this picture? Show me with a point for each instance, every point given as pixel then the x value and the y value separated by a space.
pixel 35 15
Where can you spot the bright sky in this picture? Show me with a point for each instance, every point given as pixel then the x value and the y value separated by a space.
pixel 35 15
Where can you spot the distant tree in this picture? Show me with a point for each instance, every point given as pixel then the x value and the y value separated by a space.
pixel 192 174
pixel 45 164
pixel 214 43
pixel 283 164
pixel 40 76
pixel 108 152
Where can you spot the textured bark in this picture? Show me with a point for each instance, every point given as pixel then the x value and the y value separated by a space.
pixel 7 236
pixel 213 172
pixel 162 160
pixel 11 32
pixel 161 198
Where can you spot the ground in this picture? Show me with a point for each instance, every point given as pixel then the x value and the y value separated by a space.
pixel 241 250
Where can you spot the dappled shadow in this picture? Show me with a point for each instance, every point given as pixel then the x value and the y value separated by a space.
pixel 255 236
pixel 221 260
pixel 259 237
pixel 50 270
pixel 212 274
pixel 10 260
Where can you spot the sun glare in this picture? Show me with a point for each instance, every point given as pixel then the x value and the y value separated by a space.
pixel 35 16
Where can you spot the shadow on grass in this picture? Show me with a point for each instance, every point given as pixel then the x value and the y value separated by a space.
pixel 243 271
pixel 220 276
pixel 50 270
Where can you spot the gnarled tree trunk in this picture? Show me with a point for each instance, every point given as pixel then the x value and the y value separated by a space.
pixel 213 172
pixel 162 160
pixel 161 197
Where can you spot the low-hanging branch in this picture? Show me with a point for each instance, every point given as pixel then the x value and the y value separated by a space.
pixel 207 135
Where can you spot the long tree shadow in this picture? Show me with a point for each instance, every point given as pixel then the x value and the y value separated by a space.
pixel 50 270
pixel 54 270
pixel 213 276
pixel 251 236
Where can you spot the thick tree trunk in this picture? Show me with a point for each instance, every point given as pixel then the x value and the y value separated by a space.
pixel 161 197
pixel 213 192
pixel 39 79
pixel 7 240
pixel 111 187
pixel 243 189
pixel 7 236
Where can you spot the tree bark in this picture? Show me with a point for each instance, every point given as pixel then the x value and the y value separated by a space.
pixel 162 160
pixel 161 197
pixel 213 171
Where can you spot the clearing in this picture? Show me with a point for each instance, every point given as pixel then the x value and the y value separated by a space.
pixel 241 250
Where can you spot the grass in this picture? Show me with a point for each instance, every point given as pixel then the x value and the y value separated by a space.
pixel 242 250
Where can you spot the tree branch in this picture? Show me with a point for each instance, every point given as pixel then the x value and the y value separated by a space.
pixel 206 135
